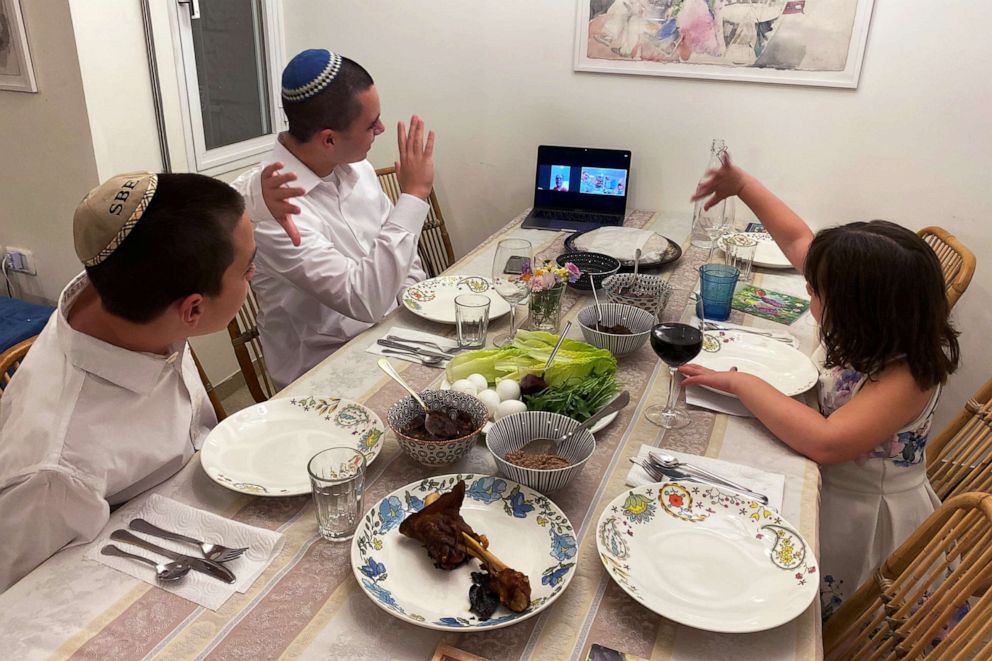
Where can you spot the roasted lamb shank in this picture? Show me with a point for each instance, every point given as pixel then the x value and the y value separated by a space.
pixel 439 527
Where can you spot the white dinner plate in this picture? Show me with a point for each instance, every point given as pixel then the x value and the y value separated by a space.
pixel 767 254
pixel 264 449
pixel 602 424
pixel 526 530
pixel 434 299
pixel 707 558
pixel 787 369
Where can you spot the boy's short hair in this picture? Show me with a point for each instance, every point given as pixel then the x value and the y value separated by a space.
pixel 335 107
pixel 181 244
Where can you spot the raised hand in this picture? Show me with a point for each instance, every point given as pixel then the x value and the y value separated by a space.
pixel 415 169
pixel 720 184
pixel 277 195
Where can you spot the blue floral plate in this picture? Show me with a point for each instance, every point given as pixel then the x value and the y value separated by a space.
pixel 526 530
pixel 707 558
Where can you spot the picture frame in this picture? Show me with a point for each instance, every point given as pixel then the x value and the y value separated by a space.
pixel 791 42
pixel 16 70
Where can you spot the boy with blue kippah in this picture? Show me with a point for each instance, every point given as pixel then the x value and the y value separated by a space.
pixel 355 251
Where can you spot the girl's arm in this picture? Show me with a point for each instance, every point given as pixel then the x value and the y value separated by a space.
pixel 880 409
pixel 790 232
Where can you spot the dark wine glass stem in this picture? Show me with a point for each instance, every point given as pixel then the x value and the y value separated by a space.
pixel 673 389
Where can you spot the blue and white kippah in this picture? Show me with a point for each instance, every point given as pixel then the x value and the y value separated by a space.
pixel 308 73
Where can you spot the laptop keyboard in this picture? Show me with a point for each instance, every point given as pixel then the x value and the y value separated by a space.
pixel 575 216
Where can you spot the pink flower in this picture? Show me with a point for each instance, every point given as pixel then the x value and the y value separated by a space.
pixel 574 273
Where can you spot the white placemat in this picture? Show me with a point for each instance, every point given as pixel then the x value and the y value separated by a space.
pixel 769 484
pixel 263 545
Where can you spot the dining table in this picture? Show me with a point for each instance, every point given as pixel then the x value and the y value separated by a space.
pixel 307 602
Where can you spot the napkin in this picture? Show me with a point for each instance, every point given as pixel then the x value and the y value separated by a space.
pixel 792 340
pixel 263 545
pixel 769 484
pixel 622 242
pixel 707 399
pixel 446 343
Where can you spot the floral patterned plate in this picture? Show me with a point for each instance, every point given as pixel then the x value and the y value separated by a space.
pixel 434 299
pixel 263 450
pixel 786 368
pixel 707 558
pixel 526 530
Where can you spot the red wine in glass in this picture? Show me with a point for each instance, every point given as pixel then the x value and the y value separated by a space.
pixel 676 343
pixel 676 340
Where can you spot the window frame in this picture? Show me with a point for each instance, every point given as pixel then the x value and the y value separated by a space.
pixel 242 154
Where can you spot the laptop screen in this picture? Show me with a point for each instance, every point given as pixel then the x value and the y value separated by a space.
pixel 582 179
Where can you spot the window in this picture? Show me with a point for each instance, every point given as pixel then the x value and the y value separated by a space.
pixel 229 55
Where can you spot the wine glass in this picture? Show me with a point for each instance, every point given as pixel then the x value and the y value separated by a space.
pixel 677 339
pixel 512 256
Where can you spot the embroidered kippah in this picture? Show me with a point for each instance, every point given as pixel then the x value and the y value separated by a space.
pixel 109 212
pixel 309 73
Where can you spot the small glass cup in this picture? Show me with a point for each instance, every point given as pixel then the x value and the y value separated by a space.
pixel 337 478
pixel 716 286
pixel 738 251
pixel 472 320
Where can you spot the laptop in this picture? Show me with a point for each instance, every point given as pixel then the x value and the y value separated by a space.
pixel 579 188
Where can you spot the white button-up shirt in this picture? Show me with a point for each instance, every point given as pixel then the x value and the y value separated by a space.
pixel 357 254
pixel 85 425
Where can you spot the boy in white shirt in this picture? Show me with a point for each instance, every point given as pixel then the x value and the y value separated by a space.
pixel 108 402
pixel 358 252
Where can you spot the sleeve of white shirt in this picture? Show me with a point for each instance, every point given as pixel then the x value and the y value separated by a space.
pixel 363 289
pixel 249 184
pixel 42 513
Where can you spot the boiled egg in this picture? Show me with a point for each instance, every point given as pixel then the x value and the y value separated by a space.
pixel 509 407
pixel 508 389
pixel 465 386
pixel 490 399
pixel 480 382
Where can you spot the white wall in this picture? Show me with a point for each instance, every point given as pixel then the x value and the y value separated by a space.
pixel 495 80
pixel 47 164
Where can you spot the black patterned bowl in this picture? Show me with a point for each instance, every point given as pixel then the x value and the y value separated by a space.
pixel 436 453
pixel 639 322
pixel 514 431
pixel 592 264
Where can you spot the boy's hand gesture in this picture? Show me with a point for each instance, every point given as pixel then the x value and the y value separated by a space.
pixel 277 195
pixel 720 184
pixel 415 169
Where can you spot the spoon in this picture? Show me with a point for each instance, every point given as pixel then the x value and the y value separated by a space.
pixel 637 263
pixel 435 422
pixel 169 571
pixel 561 338
pixel 668 461
pixel 546 445
pixel 599 311
pixel 423 360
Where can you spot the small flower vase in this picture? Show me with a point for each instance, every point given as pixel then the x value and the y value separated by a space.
pixel 545 309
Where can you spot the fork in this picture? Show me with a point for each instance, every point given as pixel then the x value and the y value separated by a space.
pixel 215 552
pixel 713 326
pixel 434 345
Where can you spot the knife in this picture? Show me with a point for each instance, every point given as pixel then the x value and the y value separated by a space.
pixel 423 352
pixel 208 567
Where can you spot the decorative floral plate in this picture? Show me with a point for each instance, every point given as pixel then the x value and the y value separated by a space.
pixel 767 254
pixel 786 368
pixel 434 299
pixel 263 450
pixel 526 530
pixel 707 558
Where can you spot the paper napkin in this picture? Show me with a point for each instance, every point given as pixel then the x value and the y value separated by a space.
pixel 446 343
pixel 769 484
pixel 707 399
pixel 263 545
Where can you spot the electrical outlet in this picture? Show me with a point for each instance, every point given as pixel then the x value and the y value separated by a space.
pixel 20 260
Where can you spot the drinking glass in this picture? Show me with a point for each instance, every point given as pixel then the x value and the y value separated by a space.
pixel 512 256
pixel 738 252
pixel 472 320
pixel 677 339
pixel 713 221
pixel 337 478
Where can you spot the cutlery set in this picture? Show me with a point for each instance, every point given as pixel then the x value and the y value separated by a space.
pixel 661 467
pixel 210 563
pixel 426 353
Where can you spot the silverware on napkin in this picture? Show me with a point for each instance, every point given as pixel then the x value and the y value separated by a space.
pixel 660 474
pixel 413 357
pixel 215 552
pixel 208 567
pixel 430 345
pixel 417 350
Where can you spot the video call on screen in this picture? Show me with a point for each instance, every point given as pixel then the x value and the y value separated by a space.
pixel 583 179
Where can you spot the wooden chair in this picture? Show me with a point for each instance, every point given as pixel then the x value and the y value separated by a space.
pixel 921 587
pixel 435 246
pixel 209 387
pixel 11 359
pixel 960 458
pixel 956 261
pixel 243 330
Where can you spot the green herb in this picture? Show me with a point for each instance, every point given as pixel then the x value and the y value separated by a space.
pixel 577 399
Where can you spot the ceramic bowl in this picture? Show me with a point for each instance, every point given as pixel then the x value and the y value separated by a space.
pixel 592 264
pixel 514 431
pixel 436 453
pixel 638 321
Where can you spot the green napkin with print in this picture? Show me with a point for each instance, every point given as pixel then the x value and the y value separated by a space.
pixel 768 304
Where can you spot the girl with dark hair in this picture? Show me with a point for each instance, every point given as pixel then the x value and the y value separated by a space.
pixel 887 346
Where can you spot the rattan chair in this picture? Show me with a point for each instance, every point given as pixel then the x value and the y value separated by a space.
pixel 960 458
pixel 243 330
pixel 435 246
pixel 11 359
pixel 209 387
pixel 956 261
pixel 920 588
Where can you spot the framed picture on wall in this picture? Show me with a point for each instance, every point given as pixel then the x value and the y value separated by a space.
pixel 796 42
pixel 16 72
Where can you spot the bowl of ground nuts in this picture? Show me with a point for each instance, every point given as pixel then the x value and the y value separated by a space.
pixel 544 472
